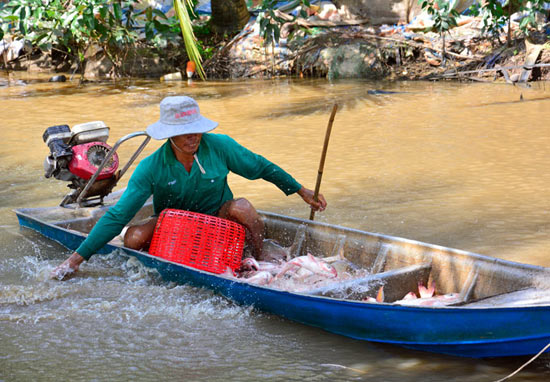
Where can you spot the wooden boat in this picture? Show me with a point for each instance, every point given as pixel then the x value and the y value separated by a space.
pixel 503 310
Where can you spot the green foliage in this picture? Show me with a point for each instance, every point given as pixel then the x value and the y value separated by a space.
pixel 206 52
pixel 202 29
pixel 271 23
pixel 159 29
pixel 496 16
pixel 73 26
pixel 443 16
pixel 534 7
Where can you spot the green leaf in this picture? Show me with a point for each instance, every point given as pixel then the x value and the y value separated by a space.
pixel 40 37
pixel 117 11
pixel 103 12
pixel 22 12
pixel 68 18
pixel 38 14
pixel 524 22
pixel 188 36
pixel 47 46
pixel 102 30
pixel 160 27
pixel 149 30
pixel 89 20
pixel 276 33
pixel 263 23
pixel 160 14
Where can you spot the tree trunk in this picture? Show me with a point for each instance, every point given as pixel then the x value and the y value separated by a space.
pixel 228 16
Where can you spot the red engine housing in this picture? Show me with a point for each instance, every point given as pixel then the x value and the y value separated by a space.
pixel 88 156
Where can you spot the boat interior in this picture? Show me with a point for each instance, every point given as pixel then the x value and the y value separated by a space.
pixel 401 264
pixel 396 263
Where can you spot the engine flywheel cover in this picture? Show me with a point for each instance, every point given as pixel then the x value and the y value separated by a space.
pixel 88 156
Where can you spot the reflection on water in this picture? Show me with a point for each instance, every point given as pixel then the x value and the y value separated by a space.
pixel 461 165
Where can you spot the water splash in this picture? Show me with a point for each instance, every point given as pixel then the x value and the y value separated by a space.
pixel 136 272
pixel 31 294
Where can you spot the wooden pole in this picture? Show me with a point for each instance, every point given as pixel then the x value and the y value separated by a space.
pixel 323 156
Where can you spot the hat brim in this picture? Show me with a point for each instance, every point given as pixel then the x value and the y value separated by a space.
pixel 159 130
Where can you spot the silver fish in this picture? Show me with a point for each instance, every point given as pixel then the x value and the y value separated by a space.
pixel 249 264
pixel 311 263
pixel 439 300
pixel 273 251
pixel 260 278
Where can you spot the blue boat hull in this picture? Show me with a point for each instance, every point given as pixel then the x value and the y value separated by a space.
pixel 459 331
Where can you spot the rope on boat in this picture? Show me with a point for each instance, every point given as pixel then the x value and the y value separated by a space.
pixel 525 364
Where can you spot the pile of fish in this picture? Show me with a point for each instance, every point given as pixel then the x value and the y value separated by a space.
pixel 297 274
pixel 278 269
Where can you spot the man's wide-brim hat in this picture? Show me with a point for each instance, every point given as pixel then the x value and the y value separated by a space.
pixel 179 115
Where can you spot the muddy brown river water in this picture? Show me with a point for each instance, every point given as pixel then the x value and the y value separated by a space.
pixel 460 165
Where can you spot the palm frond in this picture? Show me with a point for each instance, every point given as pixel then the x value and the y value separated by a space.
pixel 187 32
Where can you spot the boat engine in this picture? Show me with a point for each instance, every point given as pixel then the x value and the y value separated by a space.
pixel 75 155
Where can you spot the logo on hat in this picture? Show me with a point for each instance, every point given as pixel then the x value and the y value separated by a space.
pixel 185 113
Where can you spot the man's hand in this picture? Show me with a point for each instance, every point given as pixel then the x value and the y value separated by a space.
pixel 67 268
pixel 317 205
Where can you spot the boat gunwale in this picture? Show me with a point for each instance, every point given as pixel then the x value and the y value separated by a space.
pixel 387 238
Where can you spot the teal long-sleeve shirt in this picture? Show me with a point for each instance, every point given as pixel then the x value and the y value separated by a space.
pixel 164 177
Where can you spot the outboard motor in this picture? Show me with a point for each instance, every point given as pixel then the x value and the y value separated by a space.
pixel 76 155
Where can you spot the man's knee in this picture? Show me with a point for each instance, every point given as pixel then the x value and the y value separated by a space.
pixel 134 238
pixel 240 207
pixel 242 211
pixel 139 236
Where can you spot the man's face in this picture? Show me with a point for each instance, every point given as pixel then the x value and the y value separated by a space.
pixel 188 143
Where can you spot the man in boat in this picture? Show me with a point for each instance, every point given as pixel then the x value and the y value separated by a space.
pixel 188 172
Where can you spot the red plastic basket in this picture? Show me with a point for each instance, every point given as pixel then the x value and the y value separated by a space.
pixel 198 240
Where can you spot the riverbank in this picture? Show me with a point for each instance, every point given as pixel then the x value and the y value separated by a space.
pixel 335 50
pixel 399 52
